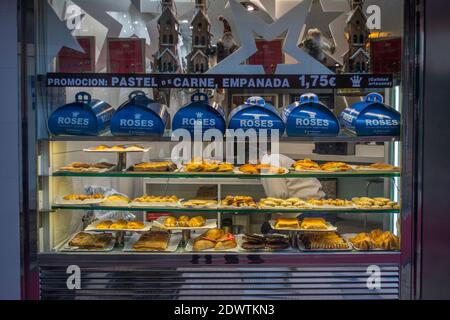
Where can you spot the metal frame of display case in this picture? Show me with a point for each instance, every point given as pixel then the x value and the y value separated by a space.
pixel 400 266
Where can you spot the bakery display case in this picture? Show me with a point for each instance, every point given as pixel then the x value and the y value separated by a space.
pixel 145 214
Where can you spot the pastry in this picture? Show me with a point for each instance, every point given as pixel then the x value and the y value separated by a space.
pixel 203 244
pixel 377 166
pixel 119 224
pixel 213 234
pixel 290 203
pixel 153 240
pixel 208 166
pixel 313 223
pixel 85 240
pixel 183 221
pixel 375 203
pixel 170 222
pixel 323 241
pixel 238 201
pixel 105 224
pixel 261 168
pixel 135 225
pixel 376 239
pixel 335 166
pixel 116 200
pixel 268 241
pixel 162 166
pixel 291 223
pixel 305 165
pixel 157 199
pixel 253 245
pixel 196 222
pixel 225 245
pixel 82 197
pixel 86 167
pixel 200 203
pixel 330 202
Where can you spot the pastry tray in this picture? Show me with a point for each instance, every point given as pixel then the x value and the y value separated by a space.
pixel 183 170
pixel 285 208
pixel 61 202
pixel 369 169
pixel 209 224
pixel 301 247
pixel 347 237
pixel 114 203
pixel 116 151
pixel 93 225
pixel 190 247
pixel 174 242
pixel 330 227
pixel 88 170
pixel 240 241
pixel 66 248
pixel 330 207
pixel 206 206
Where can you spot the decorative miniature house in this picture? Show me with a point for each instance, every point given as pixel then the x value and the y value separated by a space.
pixel 166 59
pixel 356 60
pixel 198 58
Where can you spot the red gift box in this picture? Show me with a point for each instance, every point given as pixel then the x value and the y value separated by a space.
pixel 73 61
pixel 126 55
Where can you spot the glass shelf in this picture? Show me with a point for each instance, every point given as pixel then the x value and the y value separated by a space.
pixel 216 210
pixel 344 136
pixel 190 175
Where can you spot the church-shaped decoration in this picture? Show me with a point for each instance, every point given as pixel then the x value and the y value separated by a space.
pixel 356 60
pixel 166 59
pixel 198 58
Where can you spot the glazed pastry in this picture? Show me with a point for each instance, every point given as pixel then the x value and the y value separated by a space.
pixel 323 241
pixel 213 234
pixel 335 166
pixel 153 240
pixel 225 245
pixel 85 240
pixel 119 224
pixel 287 223
pixel 196 222
pixel 163 166
pixel 105 224
pixel 116 200
pixel 306 165
pixel 313 223
pixel 135 225
pixel 183 221
pixel 203 244
pixel 170 222
pixel 238 201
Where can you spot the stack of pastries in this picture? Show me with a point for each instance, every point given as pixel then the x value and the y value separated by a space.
pixel 161 166
pixel 215 239
pixel 375 203
pixel 323 241
pixel 116 200
pixel 238 201
pixel 330 202
pixel 120 224
pixel 83 197
pixel 204 166
pixel 87 167
pixel 376 239
pixel 153 240
pixel 157 199
pixel 184 222
pixel 305 165
pixel 85 240
pixel 314 224
pixel 261 168
pixel 335 166
pixel 267 241
pixel 290 203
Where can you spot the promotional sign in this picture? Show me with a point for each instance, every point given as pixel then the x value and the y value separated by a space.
pixel 126 55
pixel 140 115
pixel 309 117
pixel 256 114
pixel 371 117
pixel 85 116
pixel 70 60
pixel 213 81
pixel 197 113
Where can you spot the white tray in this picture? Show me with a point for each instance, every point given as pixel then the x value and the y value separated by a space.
pixel 208 206
pixel 61 202
pixel 93 227
pixel 189 248
pixel 330 227
pixel 115 204
pixel 285 208
pixel 66 248
pixel 87 170
pixel 347 237
pixel 116 151
pixel 326 207
pixel 209 224
pixel 174 242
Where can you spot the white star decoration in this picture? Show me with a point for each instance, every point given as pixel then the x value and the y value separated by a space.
pixel 290 23
pixel 320 19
